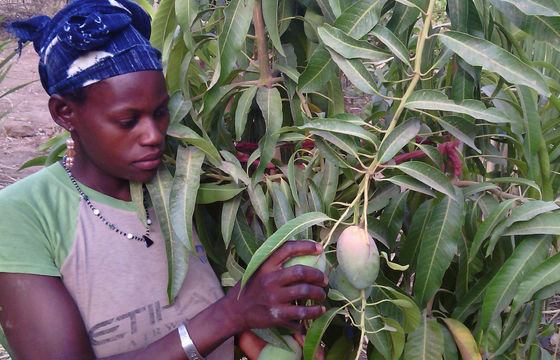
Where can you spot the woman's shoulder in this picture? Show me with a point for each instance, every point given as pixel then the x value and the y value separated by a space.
pixel 36 186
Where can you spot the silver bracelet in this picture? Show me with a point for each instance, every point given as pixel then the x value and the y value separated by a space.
pixel 188 346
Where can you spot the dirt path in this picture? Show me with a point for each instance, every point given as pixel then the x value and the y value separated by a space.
pixel 28 125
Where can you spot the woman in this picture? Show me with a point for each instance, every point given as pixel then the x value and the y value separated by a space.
pixel 81 277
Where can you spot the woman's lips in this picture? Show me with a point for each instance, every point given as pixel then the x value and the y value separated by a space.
pixel 148 164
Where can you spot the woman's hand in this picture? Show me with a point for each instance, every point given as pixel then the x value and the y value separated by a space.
pixel 268 298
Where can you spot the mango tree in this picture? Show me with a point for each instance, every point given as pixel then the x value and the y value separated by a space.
pixel 431 125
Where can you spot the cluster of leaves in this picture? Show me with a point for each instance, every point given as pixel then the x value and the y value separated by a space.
pixel 452 166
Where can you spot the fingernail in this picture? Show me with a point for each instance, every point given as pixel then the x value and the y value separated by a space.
pixel 326 280
pixel 323 309
pixel 318 247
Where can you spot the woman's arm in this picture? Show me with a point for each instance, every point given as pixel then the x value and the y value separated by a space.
pixel 41 320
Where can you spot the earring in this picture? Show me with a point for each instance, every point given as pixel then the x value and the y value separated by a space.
pixel 69 154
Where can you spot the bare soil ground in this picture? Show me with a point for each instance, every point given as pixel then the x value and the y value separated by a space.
pixel 28 124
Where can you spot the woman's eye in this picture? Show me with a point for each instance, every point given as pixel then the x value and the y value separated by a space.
pixel 127 123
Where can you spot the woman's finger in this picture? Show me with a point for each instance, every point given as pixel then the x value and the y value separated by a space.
pixel 296 274
pixel 298 312
pixel 301 291
pixel 290 249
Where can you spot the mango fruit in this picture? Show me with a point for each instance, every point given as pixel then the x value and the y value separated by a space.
pixel 338 281
pixel 317 261
pixel 272 352
pixel 357 257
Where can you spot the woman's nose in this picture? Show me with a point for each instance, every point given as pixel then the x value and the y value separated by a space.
pixel 153 133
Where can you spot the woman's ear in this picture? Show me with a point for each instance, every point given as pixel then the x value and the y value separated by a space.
pixel 62 111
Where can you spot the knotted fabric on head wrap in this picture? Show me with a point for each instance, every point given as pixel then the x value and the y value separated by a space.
pixel 88 41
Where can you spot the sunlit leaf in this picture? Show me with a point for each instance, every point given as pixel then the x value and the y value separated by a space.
pixel 526 256
pixel 437 248
pixel 283 234
pixel 229 213
pixel 428 175
pixel 426 342
pixel 435 100
pixel 480 52
pixel 177 254
pixel 358 19
pixel 394 141
pixel 349 47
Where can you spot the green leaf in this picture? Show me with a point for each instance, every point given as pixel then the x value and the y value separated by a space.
pixel 437 248
pixel 185 184
pixel 349 47
pixel 315 333
pixel 450 349
pixel 435 100
pixel 426 342
pixel 259 202
pixel 163 23
pixel 486 228
pixel 386 36
pixel 393 216
pixel 375 330
pixel 270 15
pixel 429 175
pixel 417 229
pixel 394 141
pixel 545 274
pixel 480 52
pixel 462 129
pixel 340 127
pixel 358 19
pixel 178 107
pixel 319 71
pixel 536 7
pixel 270 103
pixel 523 213
pixel 238 15
pixel 514 180
pixel 397 337
pixel 344 142
pixel 210 193
pixel 542 28
pixel 159 188
pixel 36 161
pixel 186 12
pixel 547 223
pixel 281 208
pixel 526 256
pixel 466 304
pixel 329 183
pixel 411 184
pixel 137 195
pixel 464 340
pixel 243 238
pixel 242 110
pixel 283 234
pixel 232 167
pixel 356 72
pixel 229 213
pixel 183 132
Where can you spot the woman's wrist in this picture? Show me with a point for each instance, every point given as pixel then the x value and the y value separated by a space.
pixel 187 344
pixel 215 324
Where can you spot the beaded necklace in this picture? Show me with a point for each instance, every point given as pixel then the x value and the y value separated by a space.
pixel 144 238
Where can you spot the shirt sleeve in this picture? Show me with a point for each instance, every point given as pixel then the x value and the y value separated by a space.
pixel 24 242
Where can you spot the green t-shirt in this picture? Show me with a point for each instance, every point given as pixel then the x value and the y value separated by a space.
pixel 119 285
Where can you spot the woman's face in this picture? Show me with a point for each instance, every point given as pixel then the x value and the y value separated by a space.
pixel 120 128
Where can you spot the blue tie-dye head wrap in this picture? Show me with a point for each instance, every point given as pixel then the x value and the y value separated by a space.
pixel 88 41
